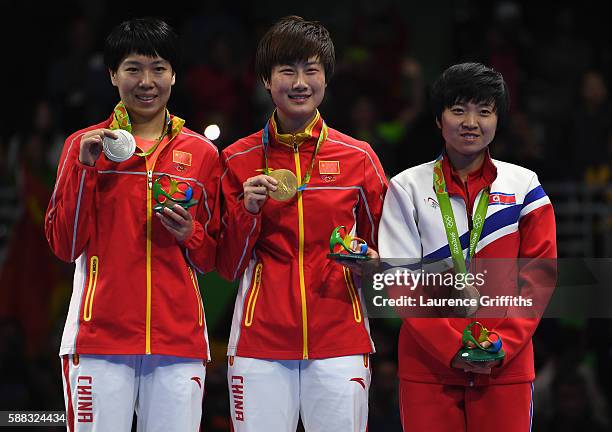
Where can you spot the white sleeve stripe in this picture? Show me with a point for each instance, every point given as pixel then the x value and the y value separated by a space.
pixel 123 172
pixel 382 183
pixel 367 208
pixel 205 196
pixel 180 178
pixel 192 264
pixel 238 154
pixel 534 205
pixel 203 139
pixel 59 177
pixel 496 235
pixel 76 216
pixel 361 192
pixel 239 307
pixel 246 245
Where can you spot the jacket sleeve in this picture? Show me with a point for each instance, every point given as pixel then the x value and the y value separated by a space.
pixel 370 207
pixel 538 241
pixel 239 228
pixel 399 238
pixel 201 247
pixel 70 216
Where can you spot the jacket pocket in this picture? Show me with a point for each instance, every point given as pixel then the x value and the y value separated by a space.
pixel 198 297
pixel 253 293
pixel 348 278
pixel 94 271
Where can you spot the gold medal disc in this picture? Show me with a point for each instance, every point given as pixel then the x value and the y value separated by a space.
pixel 286 187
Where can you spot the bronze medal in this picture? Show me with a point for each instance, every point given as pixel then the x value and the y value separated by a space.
pixel 286 187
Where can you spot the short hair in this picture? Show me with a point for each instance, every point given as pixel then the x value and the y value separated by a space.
pixel 147 36
pixel 470 82
pixel 293 39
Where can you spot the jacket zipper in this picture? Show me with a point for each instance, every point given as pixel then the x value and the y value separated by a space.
pixel 468 206
pixel 148 261
pixel 149 234
pixel 298 172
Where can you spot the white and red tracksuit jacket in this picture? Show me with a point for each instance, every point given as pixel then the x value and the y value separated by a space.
pixel 521 225
pixel 293 302
pixel 135 290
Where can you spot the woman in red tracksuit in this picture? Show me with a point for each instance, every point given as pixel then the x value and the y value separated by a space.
pixel 135 335
pixel 300 340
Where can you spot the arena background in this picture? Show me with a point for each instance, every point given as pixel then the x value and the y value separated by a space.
pixel 555 56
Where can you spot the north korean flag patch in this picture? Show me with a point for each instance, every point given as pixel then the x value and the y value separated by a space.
pixel 329 167
pixel 499 198
pixel 181 157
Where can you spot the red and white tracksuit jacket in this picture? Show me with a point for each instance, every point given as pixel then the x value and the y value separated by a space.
pixel 293 302
pixel 519 225
pixel 135 290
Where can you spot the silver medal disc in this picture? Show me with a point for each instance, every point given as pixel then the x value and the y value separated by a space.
pixel 120 149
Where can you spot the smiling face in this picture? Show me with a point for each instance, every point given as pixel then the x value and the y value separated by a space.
pixel 297 90
pixel 468 128
pixel 144 85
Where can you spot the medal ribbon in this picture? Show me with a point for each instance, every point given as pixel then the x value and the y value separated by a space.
pixel 450 225
pixel 265 140
pixel 121 120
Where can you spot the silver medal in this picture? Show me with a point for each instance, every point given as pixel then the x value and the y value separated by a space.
pixel 120 149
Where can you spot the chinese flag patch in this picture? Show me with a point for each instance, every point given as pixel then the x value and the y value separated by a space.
pixel 329 167
pixel 181 157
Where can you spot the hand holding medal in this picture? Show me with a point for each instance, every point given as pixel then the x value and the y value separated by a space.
pixel 91 145
pixel 279 184
pixel 256 191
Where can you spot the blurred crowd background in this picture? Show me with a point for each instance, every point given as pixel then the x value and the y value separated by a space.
pixel 555 56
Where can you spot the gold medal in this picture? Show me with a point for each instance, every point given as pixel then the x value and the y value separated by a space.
pixel 286 187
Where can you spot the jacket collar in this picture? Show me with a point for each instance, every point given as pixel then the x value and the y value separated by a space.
pixel 312 130
pixel 120 119
pixel 476 180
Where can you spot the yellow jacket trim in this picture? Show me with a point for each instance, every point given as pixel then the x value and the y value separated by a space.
pixel 198 296
pixel 298 138
pixel 250 310
pixel 94 270
pixel 353 294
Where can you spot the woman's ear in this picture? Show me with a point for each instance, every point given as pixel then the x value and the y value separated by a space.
pixel 113 77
